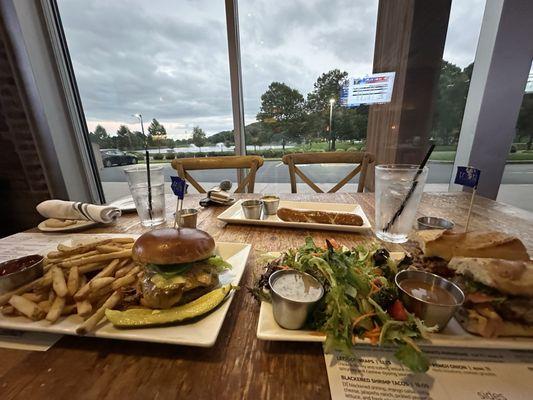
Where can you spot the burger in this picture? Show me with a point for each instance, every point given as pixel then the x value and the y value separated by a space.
pixel 179 266
pixel 498 296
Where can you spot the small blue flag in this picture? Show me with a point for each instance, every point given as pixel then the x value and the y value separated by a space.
pixel 467 176
pixel 179 187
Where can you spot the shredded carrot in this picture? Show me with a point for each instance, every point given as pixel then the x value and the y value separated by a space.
pixel 361 318
pixel 373 287
pixel 334 243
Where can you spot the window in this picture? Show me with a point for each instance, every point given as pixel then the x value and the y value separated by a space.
pixel 163 59
pixel 295 57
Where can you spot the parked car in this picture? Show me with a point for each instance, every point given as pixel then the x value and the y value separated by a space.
pixel 117 157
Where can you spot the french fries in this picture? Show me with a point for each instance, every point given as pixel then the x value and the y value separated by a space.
pixel 56 309
pixel 86 280
pixel 94 319
pixel 73 281
pixel 58 282
pixel 27 307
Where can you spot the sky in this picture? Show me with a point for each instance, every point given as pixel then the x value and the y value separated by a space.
pixel 168 59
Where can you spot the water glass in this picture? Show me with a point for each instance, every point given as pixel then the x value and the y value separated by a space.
pixel 394 182
pixel 138 185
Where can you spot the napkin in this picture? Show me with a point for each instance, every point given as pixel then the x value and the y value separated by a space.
pixel 76 210
pixel 219 195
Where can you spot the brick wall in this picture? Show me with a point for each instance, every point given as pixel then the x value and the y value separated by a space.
pixel 22 180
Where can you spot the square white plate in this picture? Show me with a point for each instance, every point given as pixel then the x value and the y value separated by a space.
pixel 202 333
pixel 235 215
pixel 452 336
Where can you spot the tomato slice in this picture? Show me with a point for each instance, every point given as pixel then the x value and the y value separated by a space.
pixel 397 311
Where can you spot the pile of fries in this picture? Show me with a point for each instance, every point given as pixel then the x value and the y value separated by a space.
pixel 86 280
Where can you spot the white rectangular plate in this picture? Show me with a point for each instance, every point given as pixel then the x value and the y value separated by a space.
pixel 452 336
pixel 235 215
pixel 202 333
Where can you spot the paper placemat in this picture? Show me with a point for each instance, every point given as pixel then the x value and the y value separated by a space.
pixel 34 341
pixel 372 373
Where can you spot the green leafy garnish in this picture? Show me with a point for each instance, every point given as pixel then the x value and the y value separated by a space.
pixel 412 358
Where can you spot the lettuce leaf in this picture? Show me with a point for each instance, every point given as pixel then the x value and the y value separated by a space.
pixel 219 263
pixel 412 358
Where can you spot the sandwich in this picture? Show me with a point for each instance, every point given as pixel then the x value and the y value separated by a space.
pixel 498 296
pixel 482 244
pixel 179 266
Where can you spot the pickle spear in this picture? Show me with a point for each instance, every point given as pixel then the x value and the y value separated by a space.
pixel 141 317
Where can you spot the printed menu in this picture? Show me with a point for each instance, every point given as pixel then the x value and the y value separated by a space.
pixel 455 373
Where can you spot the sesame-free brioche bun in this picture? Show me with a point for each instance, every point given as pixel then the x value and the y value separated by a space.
pixel 173 246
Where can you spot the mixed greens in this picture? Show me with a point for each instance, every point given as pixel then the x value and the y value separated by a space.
pixel 361 299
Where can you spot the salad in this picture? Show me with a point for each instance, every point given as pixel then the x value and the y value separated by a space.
pixel 361 299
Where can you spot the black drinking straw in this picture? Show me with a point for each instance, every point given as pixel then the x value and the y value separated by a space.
pixel 147 157
pixel 411 190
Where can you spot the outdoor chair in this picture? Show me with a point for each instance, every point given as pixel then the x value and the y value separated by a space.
pixel 363 159
pixel 253 163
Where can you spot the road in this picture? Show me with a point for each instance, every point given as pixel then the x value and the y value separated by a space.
pixel 277 172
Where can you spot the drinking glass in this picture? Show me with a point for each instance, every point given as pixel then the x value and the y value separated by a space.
pixel 138 185
pixel 393 184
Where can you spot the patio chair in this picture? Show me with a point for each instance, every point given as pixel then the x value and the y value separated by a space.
pixel 363 159
pixel 253 163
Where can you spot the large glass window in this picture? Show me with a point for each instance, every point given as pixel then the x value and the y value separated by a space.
pixel 163 59
pixel 295 57
pixel 517 182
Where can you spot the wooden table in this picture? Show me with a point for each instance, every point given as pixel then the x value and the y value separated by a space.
pixel 238 366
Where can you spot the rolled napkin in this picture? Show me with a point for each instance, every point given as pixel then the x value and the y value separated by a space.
pixel 219 195
pixel 76 210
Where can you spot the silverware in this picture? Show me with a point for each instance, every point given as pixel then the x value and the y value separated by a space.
pixel 434 223
pixel 187 218
pixel 290 313
pixel 271 204
pixel 25 269
pixel 252 209
pixel 431 313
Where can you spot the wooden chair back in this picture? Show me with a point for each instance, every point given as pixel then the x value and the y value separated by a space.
pixel 363 159
pixel 253 163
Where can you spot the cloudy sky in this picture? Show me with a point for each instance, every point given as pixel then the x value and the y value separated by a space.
pixel 168 59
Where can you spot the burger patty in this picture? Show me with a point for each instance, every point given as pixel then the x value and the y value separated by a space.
pixel 156 296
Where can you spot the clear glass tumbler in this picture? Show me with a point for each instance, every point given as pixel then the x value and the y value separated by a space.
pixel 138 185
pixel 396 200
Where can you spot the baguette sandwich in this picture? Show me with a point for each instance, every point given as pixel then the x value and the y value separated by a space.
pixel 498 296
pixel 481 244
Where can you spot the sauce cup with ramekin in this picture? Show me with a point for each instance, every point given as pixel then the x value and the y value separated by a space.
pixel 430 297
pixel 17 272
pixel 294 294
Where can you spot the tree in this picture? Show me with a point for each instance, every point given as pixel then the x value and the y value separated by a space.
pixel 327 86
pixel 124 138
pixel 157 132
pixel 199 138
pixel 451 100
pixel 101 137
pixel 525 119
pixel 283 109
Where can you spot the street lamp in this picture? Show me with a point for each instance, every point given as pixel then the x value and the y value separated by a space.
pixel 332 142
pixel 140 118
